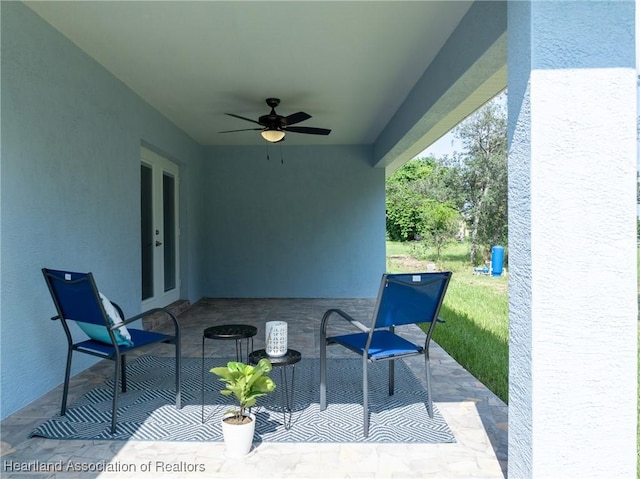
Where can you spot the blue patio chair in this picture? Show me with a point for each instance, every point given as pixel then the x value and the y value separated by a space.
pixel 403 299
pixel 77 299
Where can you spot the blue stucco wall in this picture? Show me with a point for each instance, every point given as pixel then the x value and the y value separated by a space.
pixel 71 137
pixel 313 226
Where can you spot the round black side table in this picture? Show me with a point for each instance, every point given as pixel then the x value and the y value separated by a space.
pixel 236 332
pixel 289 359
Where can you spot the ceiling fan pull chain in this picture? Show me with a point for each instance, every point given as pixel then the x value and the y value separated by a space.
pixel 281 158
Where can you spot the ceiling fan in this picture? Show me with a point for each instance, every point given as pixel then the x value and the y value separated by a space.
pixel 274 126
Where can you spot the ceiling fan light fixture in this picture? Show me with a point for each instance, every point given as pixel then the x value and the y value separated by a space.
pixel 272 135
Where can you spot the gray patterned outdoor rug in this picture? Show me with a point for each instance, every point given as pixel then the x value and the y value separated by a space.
pixel 147 410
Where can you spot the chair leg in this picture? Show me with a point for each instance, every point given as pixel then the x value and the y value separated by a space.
pixel 123 372
pixel 116 383
pixel 65 389
pixel 323 373
pixel 427 365
pixel 202 380
pixel 365 396
pixel 179 376
pixel 392 364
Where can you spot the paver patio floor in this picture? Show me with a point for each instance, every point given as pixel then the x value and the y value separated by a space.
pixel 476 416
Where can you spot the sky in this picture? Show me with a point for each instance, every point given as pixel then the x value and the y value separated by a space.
pixel 446 145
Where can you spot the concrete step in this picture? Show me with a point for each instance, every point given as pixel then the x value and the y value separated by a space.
pixel 154 321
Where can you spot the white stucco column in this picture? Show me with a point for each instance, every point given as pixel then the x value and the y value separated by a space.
pixel 572 239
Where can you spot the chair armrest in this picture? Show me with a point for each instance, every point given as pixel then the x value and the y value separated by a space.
pixel 345 316
pixel 147 313
pixel 440 320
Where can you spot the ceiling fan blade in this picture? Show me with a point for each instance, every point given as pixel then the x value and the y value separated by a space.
pixel 297 118
pixel 244 129
pixel 243 118
pixel 309 130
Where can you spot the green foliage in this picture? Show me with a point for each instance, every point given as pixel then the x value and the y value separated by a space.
pixel 413 195
pixel 404 200
pixel 439 224
pixel 403 213
pixel 412 171
pixel 247 383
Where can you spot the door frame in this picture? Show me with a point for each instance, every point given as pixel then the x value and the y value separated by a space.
pixel 159 167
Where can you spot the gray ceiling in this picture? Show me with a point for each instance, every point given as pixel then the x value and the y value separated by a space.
pixel 348 64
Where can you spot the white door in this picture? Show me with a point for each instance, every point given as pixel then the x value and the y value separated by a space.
pixel 159 230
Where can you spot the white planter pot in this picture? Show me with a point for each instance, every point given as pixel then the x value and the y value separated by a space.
pixel 238 438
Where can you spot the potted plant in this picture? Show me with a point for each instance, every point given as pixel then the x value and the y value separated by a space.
pixel 247 383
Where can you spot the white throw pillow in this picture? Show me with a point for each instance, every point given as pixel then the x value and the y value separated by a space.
pixel 115 318
pixel 98 332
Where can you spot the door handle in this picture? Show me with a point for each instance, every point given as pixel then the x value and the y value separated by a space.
pixel 158 243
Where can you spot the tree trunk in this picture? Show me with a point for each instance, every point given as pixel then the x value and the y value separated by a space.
pixel 474 246
pixel 476 222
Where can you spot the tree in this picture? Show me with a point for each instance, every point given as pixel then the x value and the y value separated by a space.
pixel 482 168
pixel 423 199
pixel 439 224
pixel 403 213
pixel 404 199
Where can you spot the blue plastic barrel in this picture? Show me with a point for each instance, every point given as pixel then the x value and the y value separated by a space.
pixel 497 260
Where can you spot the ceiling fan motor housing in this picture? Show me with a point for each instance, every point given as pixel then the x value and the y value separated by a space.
pixel 273 121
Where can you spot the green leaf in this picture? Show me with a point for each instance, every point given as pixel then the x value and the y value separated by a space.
pixel 246 382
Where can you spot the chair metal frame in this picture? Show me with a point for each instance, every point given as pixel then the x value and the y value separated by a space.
pixel 382 329
pixel 85 286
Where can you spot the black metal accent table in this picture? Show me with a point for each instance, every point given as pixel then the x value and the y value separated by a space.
pixel 236 332
pixel 289 359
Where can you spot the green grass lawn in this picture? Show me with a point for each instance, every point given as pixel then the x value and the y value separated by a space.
pixel 476 331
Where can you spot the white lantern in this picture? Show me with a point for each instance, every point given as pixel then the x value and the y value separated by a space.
pixel 276 338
